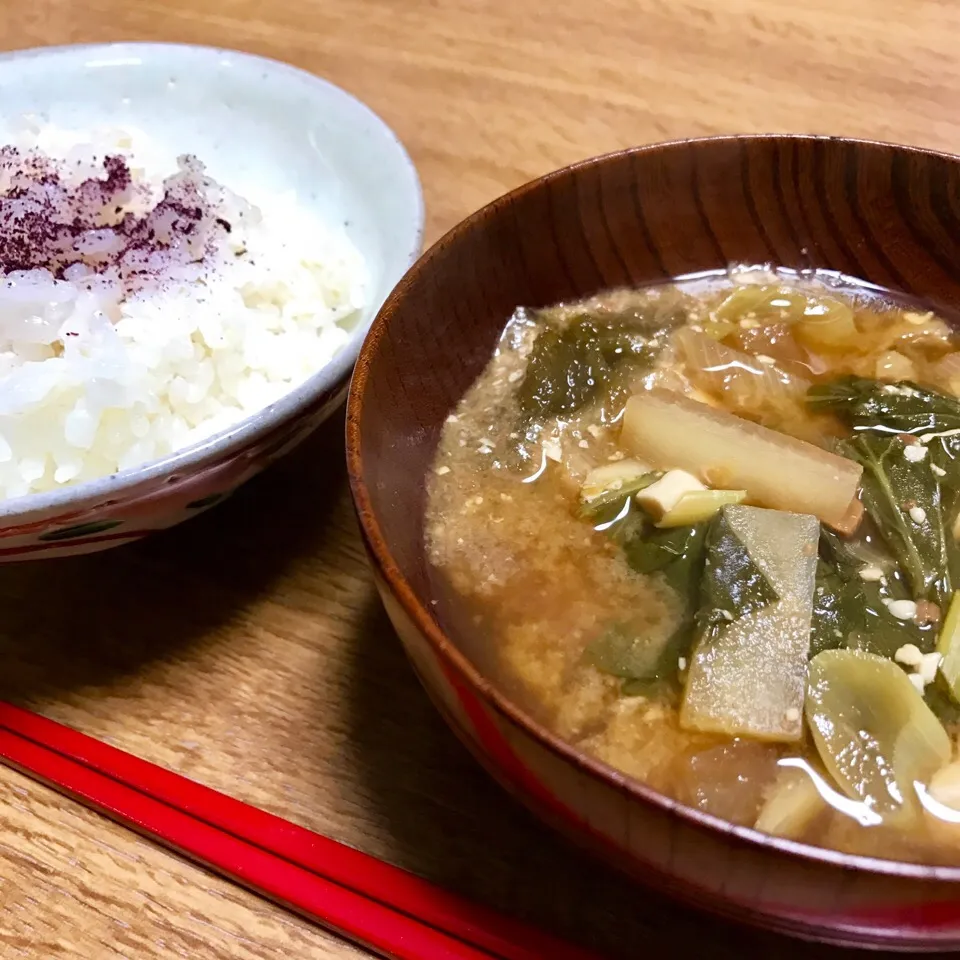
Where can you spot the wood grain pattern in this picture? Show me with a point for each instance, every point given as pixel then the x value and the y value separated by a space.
pixel 248 649
pixel 75 885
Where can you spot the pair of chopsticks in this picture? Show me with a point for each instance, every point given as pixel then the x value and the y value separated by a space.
pixel 391 912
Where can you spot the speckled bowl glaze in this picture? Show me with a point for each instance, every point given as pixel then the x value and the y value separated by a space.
pixel 889 215
pixel 250 120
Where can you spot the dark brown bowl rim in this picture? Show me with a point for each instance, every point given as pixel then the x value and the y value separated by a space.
pixel 380 553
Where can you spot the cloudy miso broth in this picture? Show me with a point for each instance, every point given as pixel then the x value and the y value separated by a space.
pixel 706 532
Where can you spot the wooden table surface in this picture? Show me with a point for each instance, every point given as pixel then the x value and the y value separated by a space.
pixel 247 649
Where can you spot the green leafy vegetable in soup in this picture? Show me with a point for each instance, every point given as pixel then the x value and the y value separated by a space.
pixel 678 556
pixel 582 361
pixel 566 369
pixel 851 599
pixel 902 496
pixel 872 406
pixel 725 560
pixel 734 585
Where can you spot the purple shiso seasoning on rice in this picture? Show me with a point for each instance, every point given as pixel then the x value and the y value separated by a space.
pixel 139 316
pixel 71 230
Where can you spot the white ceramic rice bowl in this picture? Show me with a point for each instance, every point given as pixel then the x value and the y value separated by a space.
pixel 251 121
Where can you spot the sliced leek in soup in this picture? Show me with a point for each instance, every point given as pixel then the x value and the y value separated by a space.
pixel 709 533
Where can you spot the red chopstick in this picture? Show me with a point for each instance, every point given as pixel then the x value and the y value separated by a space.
pixel 366 922
pixel 386 909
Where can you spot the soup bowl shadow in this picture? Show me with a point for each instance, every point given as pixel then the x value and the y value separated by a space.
pixel 887 215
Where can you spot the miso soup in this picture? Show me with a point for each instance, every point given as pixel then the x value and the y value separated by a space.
pixel 707 532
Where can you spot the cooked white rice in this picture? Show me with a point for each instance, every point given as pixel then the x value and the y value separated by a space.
pixel 96 376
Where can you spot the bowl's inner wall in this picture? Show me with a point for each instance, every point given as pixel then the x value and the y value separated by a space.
pixel 890 216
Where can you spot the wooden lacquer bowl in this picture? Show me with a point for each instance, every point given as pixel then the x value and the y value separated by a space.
pixel 885 214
